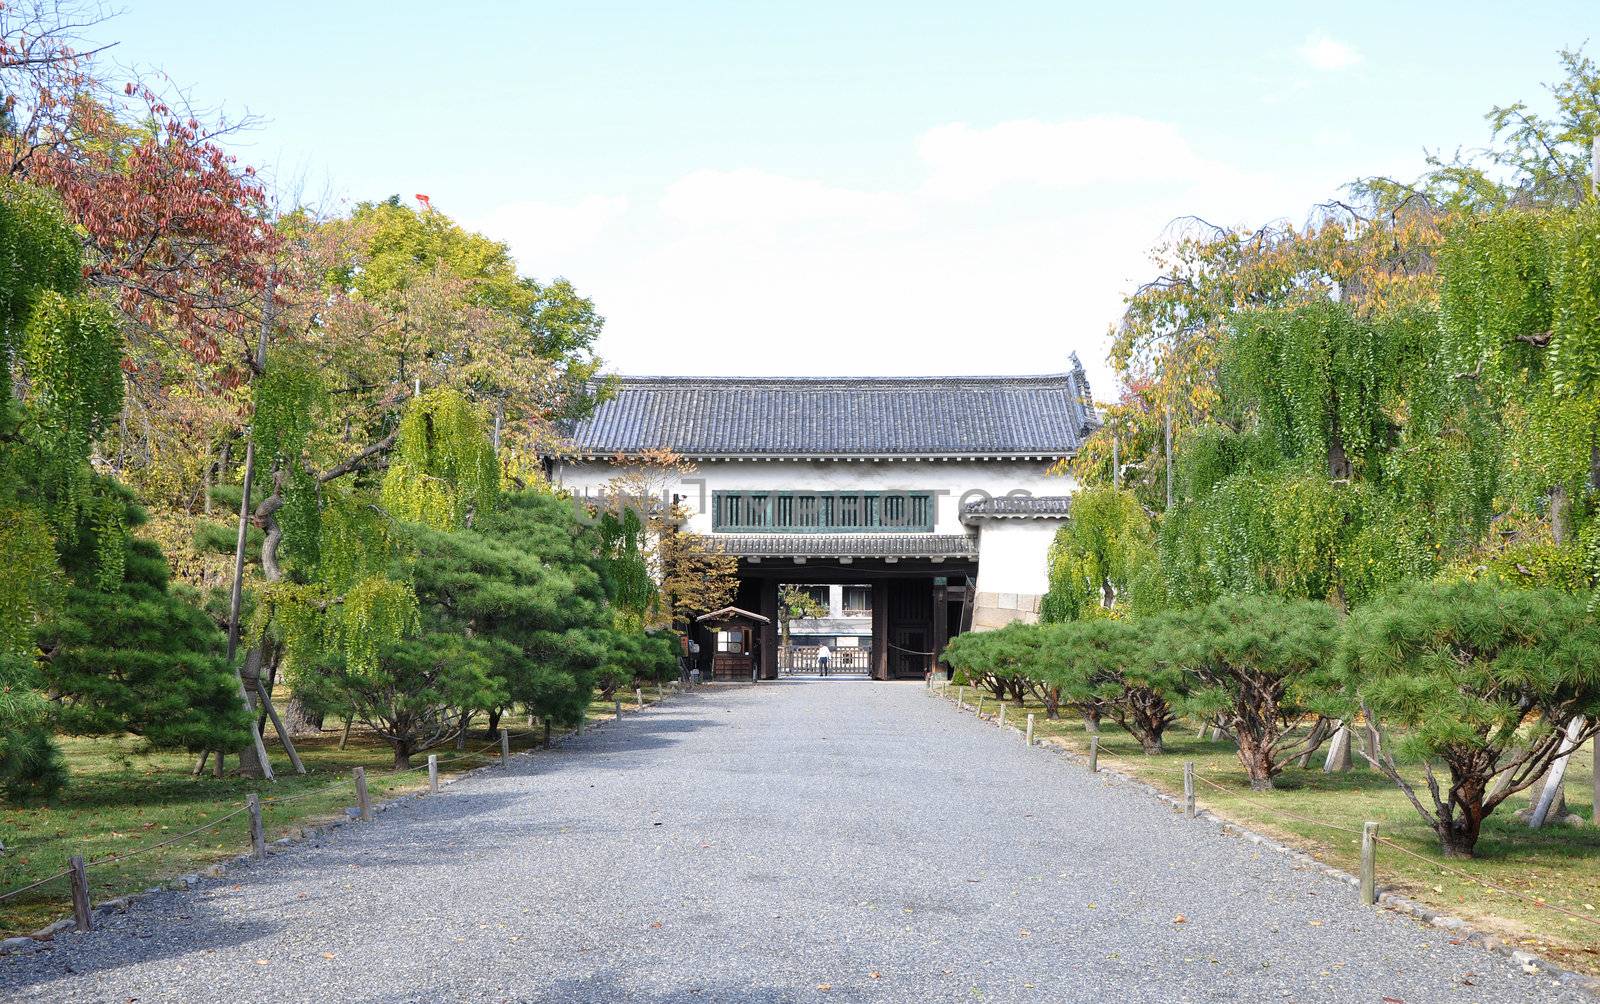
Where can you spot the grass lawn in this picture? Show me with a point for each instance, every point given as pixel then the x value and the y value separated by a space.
pixel 1558 865
pixel 120 799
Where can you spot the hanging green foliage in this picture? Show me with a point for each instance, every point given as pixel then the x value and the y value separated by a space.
pixel 1102 560
pixel 1318 379
pixel 628 579
pixel 443 469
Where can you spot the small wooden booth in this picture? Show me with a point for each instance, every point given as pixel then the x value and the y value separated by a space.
pixel 736 636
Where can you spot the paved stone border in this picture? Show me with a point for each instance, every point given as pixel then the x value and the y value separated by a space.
pixel 44 937
pixel 1392 901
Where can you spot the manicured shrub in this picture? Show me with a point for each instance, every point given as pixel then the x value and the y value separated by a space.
pixel 1483 679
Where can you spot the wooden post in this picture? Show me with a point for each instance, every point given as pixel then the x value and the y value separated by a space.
pixel 1369 863
pixel 961 697
pixel 433 773
pixel 979 712
pixel 345 736
pixel 581 716
pixel 81 911
pixel 1027 738
pixel 1188 788
pixel 549 726
pixel 661 695
pixel 619 709
pixel 505 749
pixel 1201 733
pixel 1094 754
pixel 258 833
pixel 638 697
pixel 363 804
pixel 1557 775
pixel 1002 715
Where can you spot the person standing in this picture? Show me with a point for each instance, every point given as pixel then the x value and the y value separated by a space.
pixel 823 655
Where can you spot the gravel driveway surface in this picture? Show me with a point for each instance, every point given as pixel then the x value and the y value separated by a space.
pixel 798 841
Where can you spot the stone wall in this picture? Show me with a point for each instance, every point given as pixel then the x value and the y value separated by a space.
pixel 996 610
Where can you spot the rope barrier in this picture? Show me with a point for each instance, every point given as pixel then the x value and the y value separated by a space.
pixel 118 858
pixel 1535 901
pixel 241 808
pixel 34 885
pixel 1431 862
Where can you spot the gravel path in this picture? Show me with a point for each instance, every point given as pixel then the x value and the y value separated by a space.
pixel 800 841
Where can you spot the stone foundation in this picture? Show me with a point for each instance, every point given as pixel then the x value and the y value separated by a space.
pixel 996 610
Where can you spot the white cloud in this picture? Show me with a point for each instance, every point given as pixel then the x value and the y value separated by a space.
pixel 1011 248
pixel 1323 52
pixel 747 197
pixel 966 162
pixel 544 235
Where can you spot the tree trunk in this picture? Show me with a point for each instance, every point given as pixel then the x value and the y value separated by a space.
pixel 402 754
pixel 1091 718
pixel 1257 760
pixel 494 723
pixel 298 719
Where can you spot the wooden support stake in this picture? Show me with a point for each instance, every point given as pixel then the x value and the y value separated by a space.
pixel 505 749
pixel 344 738
pixel 548 728
pixel 283 733
pixel 581 718
pixel 258 833
pixel 1094 754
pixel 363 804
pixel 1201 732
pixel 638 697
pixel 1369 863
pixel 1002 716
pixel 200 768
pixel 433 773
pixel 661 695
pixel 980 706
pixel 1188 788
pixel 1027 738
pixel 619 709
pixel 81 911
pixel 961 697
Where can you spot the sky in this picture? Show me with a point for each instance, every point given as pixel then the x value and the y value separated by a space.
pixel 850 188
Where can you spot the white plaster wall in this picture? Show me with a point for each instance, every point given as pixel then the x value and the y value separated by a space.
pixel 952 478
pixel 1012 556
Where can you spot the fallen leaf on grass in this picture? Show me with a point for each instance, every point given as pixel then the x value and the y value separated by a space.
pixel 1180 919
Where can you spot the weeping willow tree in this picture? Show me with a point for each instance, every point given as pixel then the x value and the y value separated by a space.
pixel 1520 314
pixel 333 534
pixel 1102 559
pixel 1299 496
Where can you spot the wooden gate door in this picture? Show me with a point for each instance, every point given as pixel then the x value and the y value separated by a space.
pixel 910 628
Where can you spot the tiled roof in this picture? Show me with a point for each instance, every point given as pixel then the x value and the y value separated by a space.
pixel 1036 416
pixel 1018 507
pixel 840 545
